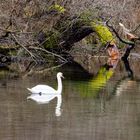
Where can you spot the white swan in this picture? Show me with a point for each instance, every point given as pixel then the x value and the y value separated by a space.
pixel 45 89
pixel 46 98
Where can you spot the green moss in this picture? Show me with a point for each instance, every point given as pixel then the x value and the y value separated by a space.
pixel 103 32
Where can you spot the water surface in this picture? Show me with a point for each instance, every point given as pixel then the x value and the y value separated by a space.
pixel 101 106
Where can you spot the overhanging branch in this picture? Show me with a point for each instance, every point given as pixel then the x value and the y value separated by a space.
pixel 117 35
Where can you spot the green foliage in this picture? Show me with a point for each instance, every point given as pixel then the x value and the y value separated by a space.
pixel 89 15
pixel 86 15
pixel 52 39
pixel 58 8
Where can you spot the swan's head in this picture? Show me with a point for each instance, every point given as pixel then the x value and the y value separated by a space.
pixel 60 74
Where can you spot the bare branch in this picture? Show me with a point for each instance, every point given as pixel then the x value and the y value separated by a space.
pixel 117 35
pixel 16 40
pixel 46 51
pixel 10 31
pixel 138 26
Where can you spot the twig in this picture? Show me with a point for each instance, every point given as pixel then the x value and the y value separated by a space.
pixel 18 43
pixel 16 31
pixel 51 68
pixel 134 30
pixel 43 70
pixel 37 48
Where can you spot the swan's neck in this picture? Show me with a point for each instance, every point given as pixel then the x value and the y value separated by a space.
pixel 59 90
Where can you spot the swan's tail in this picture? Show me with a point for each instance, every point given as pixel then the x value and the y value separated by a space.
pixel 29 90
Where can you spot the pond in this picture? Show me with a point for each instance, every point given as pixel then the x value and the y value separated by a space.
pixel 103 105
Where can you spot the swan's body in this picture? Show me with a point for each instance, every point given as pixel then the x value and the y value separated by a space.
pixel 45 89
pixel 41 89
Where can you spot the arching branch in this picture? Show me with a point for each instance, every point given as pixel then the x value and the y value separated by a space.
pixel 117 35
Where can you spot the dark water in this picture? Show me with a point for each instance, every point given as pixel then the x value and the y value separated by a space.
pixel 101 106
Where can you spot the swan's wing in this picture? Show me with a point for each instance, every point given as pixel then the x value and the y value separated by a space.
pixel 42 89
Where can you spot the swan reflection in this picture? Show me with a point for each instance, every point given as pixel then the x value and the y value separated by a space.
pixel 46 98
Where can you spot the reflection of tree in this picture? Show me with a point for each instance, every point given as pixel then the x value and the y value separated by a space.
pixel 127 67
pixel 93 87
pixel 127 81
pixel 123 85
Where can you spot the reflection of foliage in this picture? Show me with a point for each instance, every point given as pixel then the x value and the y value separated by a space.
pixel 93 86
pixel 3 73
